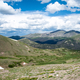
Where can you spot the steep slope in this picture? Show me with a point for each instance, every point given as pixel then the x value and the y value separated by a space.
pixel 10 49
pixel 12 46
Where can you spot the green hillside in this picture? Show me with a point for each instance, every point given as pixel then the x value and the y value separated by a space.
pixel 9 49
pixel 77 38
pixel 12 53
pixel 53 43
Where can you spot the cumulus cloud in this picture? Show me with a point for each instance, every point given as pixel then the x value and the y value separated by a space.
pixel 38 22
pixel 7 9
pixel 72 5
pixel 55 7
pixel 44 1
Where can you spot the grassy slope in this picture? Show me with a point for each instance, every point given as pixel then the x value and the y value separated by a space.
pixel 9 49
pixel 14 52
pixel 77 38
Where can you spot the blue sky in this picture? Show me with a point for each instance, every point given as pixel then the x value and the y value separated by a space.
pixel 22 17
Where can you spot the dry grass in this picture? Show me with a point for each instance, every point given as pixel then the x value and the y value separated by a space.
pixel 43 72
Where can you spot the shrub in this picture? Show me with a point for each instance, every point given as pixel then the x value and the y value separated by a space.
pixel 11 65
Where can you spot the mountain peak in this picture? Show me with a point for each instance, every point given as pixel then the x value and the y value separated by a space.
pixel 58 31
pixel 72 31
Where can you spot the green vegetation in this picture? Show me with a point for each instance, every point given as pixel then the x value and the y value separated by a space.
pixel 13 53
pixel 53 43
pixel 22 62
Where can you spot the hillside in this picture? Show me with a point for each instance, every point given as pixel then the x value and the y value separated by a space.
pixel 77 38
pixel 9 49
pixel 48 43
pixel 13 53
pixel 56 39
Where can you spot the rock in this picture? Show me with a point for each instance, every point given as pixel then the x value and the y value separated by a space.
pixel 23 63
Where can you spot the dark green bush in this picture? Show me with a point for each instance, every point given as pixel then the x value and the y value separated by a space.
pixel 11 65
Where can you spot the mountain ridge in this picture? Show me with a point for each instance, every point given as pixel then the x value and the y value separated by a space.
pixel 53 34
pixel 56 39
pixel 57 33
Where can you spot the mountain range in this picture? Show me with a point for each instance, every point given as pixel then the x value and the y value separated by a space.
pixel 58 33
pixel 56 39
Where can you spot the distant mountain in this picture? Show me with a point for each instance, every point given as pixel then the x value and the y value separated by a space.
pixel 58 33
pixel 16 37
pixel 56 39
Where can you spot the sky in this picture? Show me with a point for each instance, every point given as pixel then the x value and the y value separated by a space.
pixel 22 17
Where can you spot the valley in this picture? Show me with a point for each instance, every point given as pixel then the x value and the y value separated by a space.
pixel 53 40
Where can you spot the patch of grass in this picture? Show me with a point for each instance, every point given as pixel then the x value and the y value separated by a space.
pixel 52 72
pixel 50 76
pixel 27 78
pixel 41 73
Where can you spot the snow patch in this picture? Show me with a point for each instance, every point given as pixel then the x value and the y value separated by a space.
pixel 1 67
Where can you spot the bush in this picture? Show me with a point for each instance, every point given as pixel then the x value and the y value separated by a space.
pixel 11 65
pixel 15 64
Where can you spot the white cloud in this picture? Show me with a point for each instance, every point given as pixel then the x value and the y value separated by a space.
pixel 39 22
pixel 44 1
pixel 7 9
pixel 55 7
pixel 72 5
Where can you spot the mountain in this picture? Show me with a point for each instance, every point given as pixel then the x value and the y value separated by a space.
pixel 77 38
pixel 58 33
pixel 68 43
pixel 16 37
pixel 56 42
